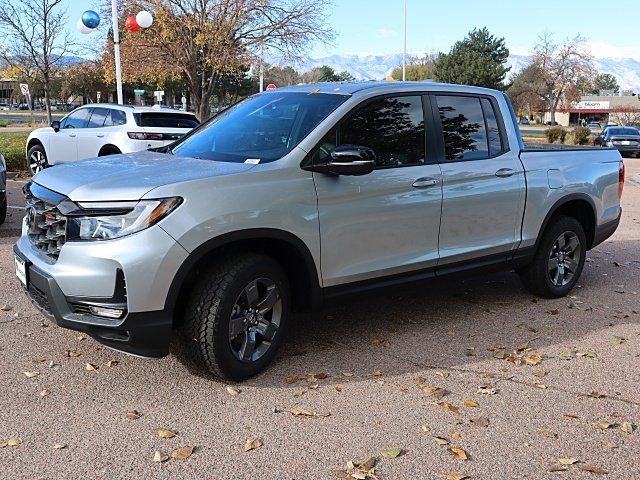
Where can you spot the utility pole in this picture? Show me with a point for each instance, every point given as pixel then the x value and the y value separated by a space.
pixel 116 50
pixel 404 53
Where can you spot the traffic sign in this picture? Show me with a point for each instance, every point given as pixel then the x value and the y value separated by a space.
pixel 24 89
pixel 139 91
pixel 271 86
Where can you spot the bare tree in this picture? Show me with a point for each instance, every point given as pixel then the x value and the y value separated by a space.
pixel 35 38
pixel 207 39
pixel 561 68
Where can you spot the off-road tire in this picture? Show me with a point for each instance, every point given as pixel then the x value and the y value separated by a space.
pixel 204 332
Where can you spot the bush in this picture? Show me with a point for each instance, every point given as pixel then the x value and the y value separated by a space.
pixel 580 136
pixel 4 123
pixel 556 134
pixel 12 145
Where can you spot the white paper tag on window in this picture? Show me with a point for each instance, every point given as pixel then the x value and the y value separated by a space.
pixel 252 161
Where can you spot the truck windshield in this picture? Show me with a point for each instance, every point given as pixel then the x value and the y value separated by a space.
pixel 261 128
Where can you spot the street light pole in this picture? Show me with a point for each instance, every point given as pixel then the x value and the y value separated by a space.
pixel 116 50
pixel 404 53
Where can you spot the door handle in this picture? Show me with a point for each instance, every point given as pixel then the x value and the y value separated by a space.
pixel 425 182
pixel 100 135
pixel 72 135
pixel 505 172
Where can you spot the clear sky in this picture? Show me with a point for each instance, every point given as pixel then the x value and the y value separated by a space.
pixel 376 26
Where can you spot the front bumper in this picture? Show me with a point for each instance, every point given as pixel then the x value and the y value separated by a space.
pixel 145 334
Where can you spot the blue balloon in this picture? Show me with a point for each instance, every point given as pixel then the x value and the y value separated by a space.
pixel 90 19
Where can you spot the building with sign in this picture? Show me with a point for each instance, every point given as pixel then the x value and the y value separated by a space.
pixel 620 109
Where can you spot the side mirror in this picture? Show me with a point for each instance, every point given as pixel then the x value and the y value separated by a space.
pixel 348 160
pixel 55 125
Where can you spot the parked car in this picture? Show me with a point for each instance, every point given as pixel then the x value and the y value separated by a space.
pixel 23 106
pixel 594 125
pixel 5 106
pixel 552 124
pixel 105 129
pixel 625 139
pixel 524 121
pixel 298 196
pixel 3 189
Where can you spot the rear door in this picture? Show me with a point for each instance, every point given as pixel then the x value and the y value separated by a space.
pixel 92 137
pixel 483 190
pixel 386 222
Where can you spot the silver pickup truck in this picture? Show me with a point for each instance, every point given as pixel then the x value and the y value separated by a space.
pixel 298 196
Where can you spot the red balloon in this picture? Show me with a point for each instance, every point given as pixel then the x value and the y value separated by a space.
pixel 131 24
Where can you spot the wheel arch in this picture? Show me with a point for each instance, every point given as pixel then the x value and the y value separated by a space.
pixel 32 143
pixel 579 206
pixel 287 249
pixel 109 149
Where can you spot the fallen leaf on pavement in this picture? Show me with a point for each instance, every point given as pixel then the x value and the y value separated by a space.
pixel 568 353
pixel 557 468
pixel 597 395
pixel 593 469
pixel 487 390
pixel 6 307
pixel 555 311
pixel 532 359
pixel 233 391
pixel 166 433
pixel 160 457
pixel 604 425
pixel 182 453
pixel 12 442
pixel 31 374
pixel 568 461
pixel 73 353
pixel 441 441
pixel 435 392
pixel 457 476
pixel 618 341
pixel 570 415
pixel 112 363
pixel 471 404
pixel 546 433
pixel 456 436
pixel 627 427
pixel 458 452
pixel 44 392
pixel 320 376
pixel 59 446
pixel 133 415
pixel 448 406
pixel 90 367
pixel 377 373
pixel 391 453
pixel 301 412
pixel 252 443
pixel 292 379
pixel 480 421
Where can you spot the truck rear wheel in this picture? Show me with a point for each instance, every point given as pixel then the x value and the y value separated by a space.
pixel 236 316
pixel 559 261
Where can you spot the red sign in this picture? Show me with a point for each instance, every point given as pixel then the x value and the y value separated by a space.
pixel 271 86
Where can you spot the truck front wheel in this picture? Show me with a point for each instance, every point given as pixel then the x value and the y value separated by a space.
pixel 236 316
pixel 559 261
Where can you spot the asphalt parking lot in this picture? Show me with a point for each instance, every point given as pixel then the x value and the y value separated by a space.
pixel 476 368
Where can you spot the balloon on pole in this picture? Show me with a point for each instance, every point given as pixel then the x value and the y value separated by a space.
pixel 144 19
pixel 82 28
pixel 90 19
pixel 131 24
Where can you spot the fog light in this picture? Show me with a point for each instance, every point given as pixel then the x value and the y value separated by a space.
pixel 106 312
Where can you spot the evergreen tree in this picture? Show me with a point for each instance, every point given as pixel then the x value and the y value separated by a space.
pixel 480 60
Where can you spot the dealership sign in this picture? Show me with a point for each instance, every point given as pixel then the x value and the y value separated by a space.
pixel 591 105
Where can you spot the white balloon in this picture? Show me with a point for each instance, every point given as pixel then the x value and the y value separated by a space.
pixel 144 19
pixel 82 28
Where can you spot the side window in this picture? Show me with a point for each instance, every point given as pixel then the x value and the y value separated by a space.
pixel 118 117
pixel 393 127
pixel 108 122
pixel 322 153
pixel 493 131
pixel 77 119
pixel 465 135
pixel 97 117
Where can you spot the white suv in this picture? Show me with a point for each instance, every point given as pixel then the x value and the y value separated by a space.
pixel 105 129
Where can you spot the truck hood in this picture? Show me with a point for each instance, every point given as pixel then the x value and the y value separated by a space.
pixel 129 177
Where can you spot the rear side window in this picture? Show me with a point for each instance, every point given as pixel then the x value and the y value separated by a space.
pixel 166 120
pixel 76 119
pixel 118 117
pixel 463 127
pixel 493 130
pixel 393 127
pixel 98 117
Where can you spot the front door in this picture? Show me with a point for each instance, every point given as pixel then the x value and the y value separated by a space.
pixel 483 183
pixel 92 137
pixel 63 145
pixel 386 222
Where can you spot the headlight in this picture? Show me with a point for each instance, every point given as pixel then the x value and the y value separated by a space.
pixel 109 220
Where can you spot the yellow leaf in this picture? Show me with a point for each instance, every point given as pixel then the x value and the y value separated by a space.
pixel 471 404
pixel 532 359
pixel 568 461
pixel 59 446
pixel 12 442
pixel 448 406
pixel 377 373
pixel 166 433
pixel 627 427
pixel 603 425
pixel 133 415
pixel 182 453
pixel 252 443
pixel 456 436
pixel 441 441
pixel 435 392
pixel 593 469
pixel 292 379
pixel 233 391
pixel 73 353
pixel 90 367
pixel 458 452
pixel 112 363
pixel 391 453
pixel 160 457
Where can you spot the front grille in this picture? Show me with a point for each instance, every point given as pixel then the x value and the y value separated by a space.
pixel 47 227
pixel 39 298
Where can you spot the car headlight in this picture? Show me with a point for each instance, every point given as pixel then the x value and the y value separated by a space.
pixel 109 220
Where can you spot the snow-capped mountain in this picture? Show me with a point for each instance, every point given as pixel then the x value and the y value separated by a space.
pixel 377 67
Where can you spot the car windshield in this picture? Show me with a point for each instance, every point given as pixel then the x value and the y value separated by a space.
pixel 623 131
pixel 261 128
